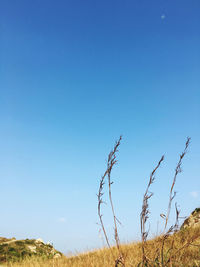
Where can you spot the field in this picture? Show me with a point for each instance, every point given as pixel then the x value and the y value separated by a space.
pixel 181 249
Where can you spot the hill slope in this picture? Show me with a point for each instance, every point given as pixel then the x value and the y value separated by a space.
pixel 182 249
pixel 183 254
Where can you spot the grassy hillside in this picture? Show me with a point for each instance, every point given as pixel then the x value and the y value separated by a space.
pixel 12 250
pixel 182 247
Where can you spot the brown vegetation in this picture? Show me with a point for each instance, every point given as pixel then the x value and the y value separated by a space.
pixel 185 253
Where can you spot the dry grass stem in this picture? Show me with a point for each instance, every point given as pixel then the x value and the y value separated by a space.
pixel 111 161
pixel 177 171
pixel 145 211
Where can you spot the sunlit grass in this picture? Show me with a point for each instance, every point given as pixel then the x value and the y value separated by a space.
pixel 183 254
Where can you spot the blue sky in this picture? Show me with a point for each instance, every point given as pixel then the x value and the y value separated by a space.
pixel 74 75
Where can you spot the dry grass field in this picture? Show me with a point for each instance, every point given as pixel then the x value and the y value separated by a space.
pixel 181 249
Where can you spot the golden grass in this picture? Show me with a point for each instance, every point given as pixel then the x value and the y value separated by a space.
pixel 183 254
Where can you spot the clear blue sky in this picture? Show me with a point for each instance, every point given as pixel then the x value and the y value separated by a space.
pixel 76 74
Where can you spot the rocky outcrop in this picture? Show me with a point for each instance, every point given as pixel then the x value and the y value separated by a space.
pixel 15 250
pixel 193 220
